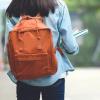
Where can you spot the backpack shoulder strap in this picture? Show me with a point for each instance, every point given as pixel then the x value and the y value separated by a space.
pixel 12 21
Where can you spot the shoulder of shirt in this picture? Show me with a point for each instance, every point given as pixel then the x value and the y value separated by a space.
pixel 62 6
pixel 3 12
pixel 61 3
pixel 2 9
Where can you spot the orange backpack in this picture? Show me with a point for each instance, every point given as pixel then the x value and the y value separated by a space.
pixel 30 49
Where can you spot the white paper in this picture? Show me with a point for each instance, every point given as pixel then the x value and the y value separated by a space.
pixel 78 33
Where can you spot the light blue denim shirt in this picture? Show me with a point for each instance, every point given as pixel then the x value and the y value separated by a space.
pixel 60 25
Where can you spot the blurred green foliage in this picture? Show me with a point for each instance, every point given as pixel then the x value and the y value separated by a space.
pixel 89 12
pixel 77 4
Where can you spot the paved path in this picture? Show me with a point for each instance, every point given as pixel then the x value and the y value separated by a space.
pixel 82 84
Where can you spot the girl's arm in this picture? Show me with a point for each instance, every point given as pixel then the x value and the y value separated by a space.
pixel 68 40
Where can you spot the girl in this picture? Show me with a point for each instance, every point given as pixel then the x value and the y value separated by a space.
pixel 56 17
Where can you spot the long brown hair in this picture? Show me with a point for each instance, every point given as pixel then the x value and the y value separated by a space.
pixel 31 7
